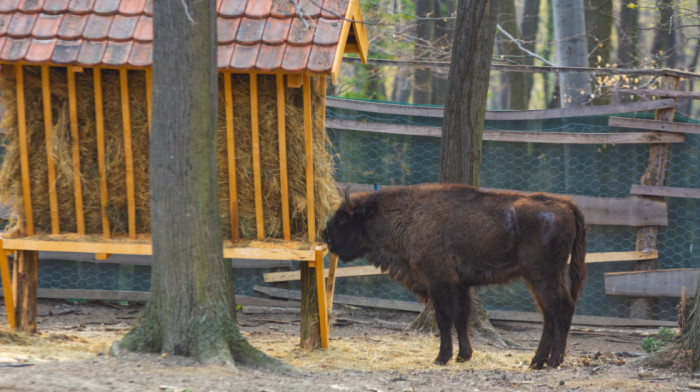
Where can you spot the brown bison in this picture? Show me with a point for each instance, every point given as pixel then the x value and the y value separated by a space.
pixel 439 240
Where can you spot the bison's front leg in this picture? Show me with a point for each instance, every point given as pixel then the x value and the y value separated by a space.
pixel 444 314
pixel 463 305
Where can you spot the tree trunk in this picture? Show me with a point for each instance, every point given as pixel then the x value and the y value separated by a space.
pixel 599 17
pixel 528 27
pixel 627 45
pixel 421 75
pixel 516 82
pixel 691 331
pixel 570 36
pixel 191 309
pixel 663 38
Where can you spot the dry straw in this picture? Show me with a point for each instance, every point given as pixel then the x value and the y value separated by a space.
pixel 10 177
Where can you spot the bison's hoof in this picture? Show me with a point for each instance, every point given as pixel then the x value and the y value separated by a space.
pixel 463 357
pixel 441 361
pixel 537 364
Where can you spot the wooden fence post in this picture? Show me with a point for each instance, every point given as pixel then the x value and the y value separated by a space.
pixel 310 327
pixel 25 283
pixel 655 175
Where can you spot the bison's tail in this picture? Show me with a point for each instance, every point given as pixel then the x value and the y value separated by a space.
pixel 577 267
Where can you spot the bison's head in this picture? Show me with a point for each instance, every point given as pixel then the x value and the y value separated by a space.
pixel 345 232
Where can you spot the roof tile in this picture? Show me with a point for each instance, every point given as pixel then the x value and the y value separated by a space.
pixel 270 57
pixel 226 29
pixel 81 6
pixel 47 26
pixel 144 29
pixel 321 58
pixel 132 7
pixel 72 26
pixel 148 9
pixel 223 55
pixel 14 49
pixel 141 55
pixel 97 27
pixel 56 6
pixel 91 52
pixel 282 9
pixel 22 25
pixel 66 51
pixel 327 31
pixel 8 5
pixel 296 58
pixel 5 23
pixel 2 45
pixel 276 30
pixel 106 7
pixel 244 56
pixel 250 31
pixel 40 50
pixel 232 7
pixel 122 28
pixel 258 9
pixel 334 9
pixel 299 34
pixel 309 9
pixel 117 53
pixel 31 5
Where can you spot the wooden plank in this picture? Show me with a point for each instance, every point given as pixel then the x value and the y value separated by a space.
pixel 358 28
pixel 657 93
pixel 342 41
pixel 427 111
pixel 149 96
pixel 330 285
pixel 654 125
pixel 75 136
pixel 606 257
pixel 282 144
pixel 653 283
pixel 231 156
pixel 128 154
pixel 294 80
pixel 7 289
pixel 609 322
pixel 629 211
pixel 271 254
pixel 23 150
pixel 26 281
pixel 101 156
pixel 665 191
pixel 48 132
pixel 309 153
pixel 514 136
pixel 257 176
pixel 321 294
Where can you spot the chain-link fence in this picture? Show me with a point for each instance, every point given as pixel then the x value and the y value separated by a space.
pixel 601 170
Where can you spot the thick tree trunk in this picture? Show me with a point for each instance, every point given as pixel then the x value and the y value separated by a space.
pixel 421 75
pixel 517 93
pixel 599 18
pixel 191 310
pixel 528 27
pixel 691 331
pixel 26 280
pixel 572 51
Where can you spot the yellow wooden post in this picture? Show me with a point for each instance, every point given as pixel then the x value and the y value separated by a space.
pixel 50 163
pixel 23 150
pixel 257 172
pixel 330 285
pixel 7 288
pixel 282 141
pixel 308 148
pixel 231 148
pixel 128 153
pixel 101 160
pixel 77 177
pixel 321 291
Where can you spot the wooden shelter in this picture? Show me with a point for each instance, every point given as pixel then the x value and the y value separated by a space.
pixel 76 85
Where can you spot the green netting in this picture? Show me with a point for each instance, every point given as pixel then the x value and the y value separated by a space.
pixel 388 159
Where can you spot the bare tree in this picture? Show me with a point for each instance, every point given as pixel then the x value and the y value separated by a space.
pixel 570 35
pixel 191 309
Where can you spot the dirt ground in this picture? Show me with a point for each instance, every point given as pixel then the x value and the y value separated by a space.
pixel 369 352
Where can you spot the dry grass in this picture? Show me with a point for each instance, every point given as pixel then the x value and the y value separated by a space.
pixel 10 178
pixel 16 346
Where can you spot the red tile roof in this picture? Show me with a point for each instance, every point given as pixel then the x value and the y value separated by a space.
pixel 264 35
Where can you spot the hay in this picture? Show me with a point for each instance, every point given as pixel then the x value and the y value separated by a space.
pixel 10 176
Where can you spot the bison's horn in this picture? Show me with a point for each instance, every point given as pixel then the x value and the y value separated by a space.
pixel 348 203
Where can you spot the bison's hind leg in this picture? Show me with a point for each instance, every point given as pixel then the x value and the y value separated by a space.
pixel 557 308
pixel 443 300
pixel 464 303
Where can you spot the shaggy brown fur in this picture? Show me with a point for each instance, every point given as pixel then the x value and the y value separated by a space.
pixel 441 239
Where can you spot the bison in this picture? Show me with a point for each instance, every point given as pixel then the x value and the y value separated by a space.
pixel 439 240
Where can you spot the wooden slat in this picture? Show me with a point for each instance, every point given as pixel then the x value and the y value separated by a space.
pixel 7 289
pixel 514 136
pixel 657 93
pixel 606 257
pixel 101 160
pixel 358 28
pixel 75 136
pixel 654 125
pixel 149 96
pixel 321 294
pixel 655 283
pixel 665 191
pixel 342 40
pixel 294 80
pixel 128 154
pixel 231 156
pixel 282 143
pixel 330 285
pixel 24 150
pixel 428 111
pixel 308 150
pixel 629 211
pixel 257 171
pixel 48 132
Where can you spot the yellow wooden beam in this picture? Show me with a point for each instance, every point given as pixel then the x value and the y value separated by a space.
pixel 48 132
pixel 282 141
pixel 294 80
pixel 75 135
pixel 308 149
pixel 7 289
pixel 101 160
pixel 358 27
pixel 321 292
pixel 330 285
pixel 128 154
pixel 257 171
pixel 231 148
pixel 23 150
pixel 342 40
